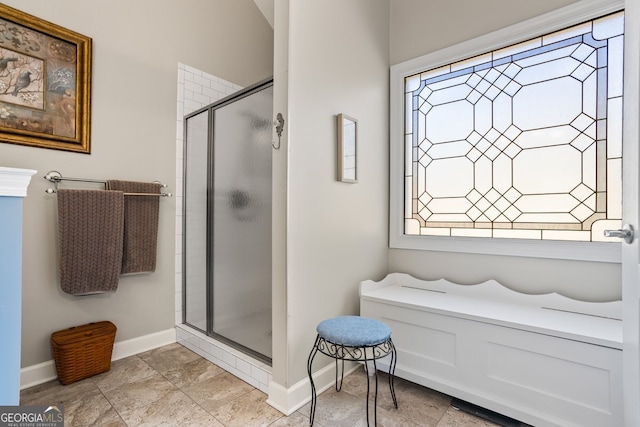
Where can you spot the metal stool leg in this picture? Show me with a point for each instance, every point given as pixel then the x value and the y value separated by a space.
pixel 314 350
pixel 375 391
pixel 339 383
pixel 392 370
pixel 375 398
pixel 366 370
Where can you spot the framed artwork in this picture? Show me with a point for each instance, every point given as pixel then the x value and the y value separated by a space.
pixel 45 83
pixel 347 148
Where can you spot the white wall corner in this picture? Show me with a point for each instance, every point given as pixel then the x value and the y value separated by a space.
pixel 14 182
pixel 289 400
pixel 266 7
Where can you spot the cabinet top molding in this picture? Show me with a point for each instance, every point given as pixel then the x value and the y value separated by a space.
pixel 14 182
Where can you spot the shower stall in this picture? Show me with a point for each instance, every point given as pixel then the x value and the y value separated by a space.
pixel 227 220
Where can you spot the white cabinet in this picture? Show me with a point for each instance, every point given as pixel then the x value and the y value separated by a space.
pixel 545 360
pixel 13 188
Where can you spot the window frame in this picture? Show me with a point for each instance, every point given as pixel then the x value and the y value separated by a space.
pixel 535 27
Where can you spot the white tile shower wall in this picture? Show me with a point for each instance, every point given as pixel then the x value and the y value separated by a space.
pixel 197 89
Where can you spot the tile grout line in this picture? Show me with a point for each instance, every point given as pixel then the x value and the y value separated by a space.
pixel 189 397
pixel 109 401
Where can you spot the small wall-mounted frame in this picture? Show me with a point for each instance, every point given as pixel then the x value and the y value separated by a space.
pixel 347 148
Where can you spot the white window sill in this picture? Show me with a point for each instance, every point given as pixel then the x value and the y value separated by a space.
pixel 583 251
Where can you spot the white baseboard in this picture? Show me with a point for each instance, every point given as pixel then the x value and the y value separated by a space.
pixel 46 371
pixel 289 400
pixel 144 343
pixel 37 374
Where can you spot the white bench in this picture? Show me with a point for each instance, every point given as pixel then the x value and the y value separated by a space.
pixel 545 360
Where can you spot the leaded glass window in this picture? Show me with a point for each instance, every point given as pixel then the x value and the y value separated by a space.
pixel 521 142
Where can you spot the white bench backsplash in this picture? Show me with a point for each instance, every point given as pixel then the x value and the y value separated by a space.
pixel 546 360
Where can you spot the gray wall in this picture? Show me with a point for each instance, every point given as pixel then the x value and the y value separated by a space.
pixel 136 49
pixel 337 62
pixel 419 27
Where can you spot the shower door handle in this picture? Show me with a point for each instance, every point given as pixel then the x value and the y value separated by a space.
pixel 279 128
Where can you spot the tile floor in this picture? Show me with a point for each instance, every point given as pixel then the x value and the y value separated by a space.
pixel 172 386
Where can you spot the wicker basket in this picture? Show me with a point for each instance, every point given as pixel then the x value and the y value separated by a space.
pixel 83 351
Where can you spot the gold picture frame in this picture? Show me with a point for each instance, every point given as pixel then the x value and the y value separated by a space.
pixel 45 83
pixel 347 149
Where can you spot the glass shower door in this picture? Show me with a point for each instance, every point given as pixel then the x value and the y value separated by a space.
pixel 241 231
pixel 227 220
pixel 195 225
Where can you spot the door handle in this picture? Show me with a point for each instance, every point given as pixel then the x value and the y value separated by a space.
pixel 626 233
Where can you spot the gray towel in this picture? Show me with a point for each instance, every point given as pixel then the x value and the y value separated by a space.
pixel 140 225
pixel 90 225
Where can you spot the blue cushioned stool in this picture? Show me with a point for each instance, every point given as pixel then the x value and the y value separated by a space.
pixel 358 339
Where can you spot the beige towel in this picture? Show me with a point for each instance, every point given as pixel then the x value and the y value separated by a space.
pixel 90 225
pixel 140 225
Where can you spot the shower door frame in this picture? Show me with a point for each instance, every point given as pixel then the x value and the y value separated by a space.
pixel 248 91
